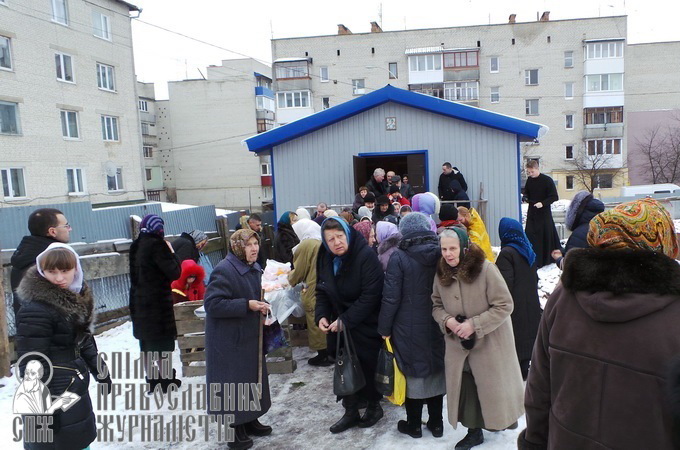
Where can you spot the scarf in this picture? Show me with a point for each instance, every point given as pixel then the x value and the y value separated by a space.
pixel 77 284
pixel 152 224
pixel 238 242
pixel 337 260
pixel 512 235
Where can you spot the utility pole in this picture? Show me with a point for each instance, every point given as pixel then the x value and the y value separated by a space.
pixel 4 332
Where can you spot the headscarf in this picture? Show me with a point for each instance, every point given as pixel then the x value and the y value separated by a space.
pixel 198 236
pixel 285 218
pixel 152 224
pixel 426 203
pixel 512 235
pixel 306 229
pixel 577 204
pixel 337 260
pixel 365 212
pixel 640 224
pixel 77 284
pixel 302 213
pixel 239 240
pixel 385 230
pixel 330 213
pixel 364 228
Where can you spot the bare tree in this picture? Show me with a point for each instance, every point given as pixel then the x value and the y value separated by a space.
pixel 660 147
pixel 587 169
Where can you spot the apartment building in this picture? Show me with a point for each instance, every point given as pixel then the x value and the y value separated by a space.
pixel 69 125
pixel 153 171
pixel 566 74
pixel 200 132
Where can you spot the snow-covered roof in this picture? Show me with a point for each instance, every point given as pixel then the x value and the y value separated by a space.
pixel 280 60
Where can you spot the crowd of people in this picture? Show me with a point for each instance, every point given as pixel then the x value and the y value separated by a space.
pixel 595 369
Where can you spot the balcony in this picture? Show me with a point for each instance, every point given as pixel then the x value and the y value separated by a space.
pixel 265 114
pixel 461 74
pixel 146 117
pixel 610 130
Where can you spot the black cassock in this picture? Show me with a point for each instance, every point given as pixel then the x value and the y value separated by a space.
pixel 540 228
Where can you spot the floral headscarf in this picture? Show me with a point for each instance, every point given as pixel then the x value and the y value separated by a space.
pixel 239 240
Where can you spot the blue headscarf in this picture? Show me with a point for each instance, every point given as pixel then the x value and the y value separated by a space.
pixel 285 218
pixel 337 261
pixel 152 224
pixel 512 235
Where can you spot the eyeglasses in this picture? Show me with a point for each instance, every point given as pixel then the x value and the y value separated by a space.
pixel 67 226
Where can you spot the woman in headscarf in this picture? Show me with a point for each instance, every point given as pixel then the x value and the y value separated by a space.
pixel 406 317
pixel 348 294
pixel 302 213
pixel 472 306
pixel 517 263
pixel 285 238
pixel 607 337
pixel 582 209
pixel 366 229
pixel 364 212
pixel 232 326
pixel 428 204
pixel 387 236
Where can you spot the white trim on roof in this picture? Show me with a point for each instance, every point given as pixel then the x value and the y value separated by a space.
pixel 605 39
pixel 424 50
pixel 279 60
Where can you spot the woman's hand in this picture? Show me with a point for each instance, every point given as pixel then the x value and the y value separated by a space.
pixel 451 324
pixel 335 326
pixel 464 330
pixel 256 305
pixel 323 325
pixel 172 250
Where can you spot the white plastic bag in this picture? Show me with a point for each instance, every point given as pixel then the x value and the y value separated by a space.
pixel 200 312
pixel 275 276
pixel 285 302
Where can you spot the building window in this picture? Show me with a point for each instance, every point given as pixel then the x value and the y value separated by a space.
pixel 74 179
pixel 264 103
pixel 5 53
pixel 461 59
pixel 569 152
pixel 110 128
pixel 531 107
pixel 568 91
pixel 433 89
pixel 568 59
pixel 144 106
pixel 604 82
pixel 325 102
pixel 603 116
pixel 293 99
pixel 569 122
pixel 323 74
pixel 494 64
pixel 495 95
pixel 604 147
pixel 148 151
pixel 9 118
pixel 13 185
pixel 293 69
pixel 393 69
pixel 264 125
pixel 115 183
pixel 64 65
pixel 570 182
pixel 59 12
pixel 424 63
pixel 265 170
pixel 149 175
pixel 603 181
pixel 358 86
pixel 531 77
pixel 264 82
pixel 105 77
pixel 463 91
pixel 602 50
pixel 145 128
pixel 69 124
pixel 101 25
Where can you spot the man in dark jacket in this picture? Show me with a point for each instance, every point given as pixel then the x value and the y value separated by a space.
pixel 377 184
pixel 46 225
pixel 189 245
pixel 448 175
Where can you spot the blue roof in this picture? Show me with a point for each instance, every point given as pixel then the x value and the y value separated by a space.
pixel 524 129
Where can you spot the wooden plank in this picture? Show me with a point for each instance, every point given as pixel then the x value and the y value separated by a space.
pixel 185 310
pixel 281 367
pixel 192 356
pixel 190 326
pixel 185 342
pixel 193 371
pixel 284 352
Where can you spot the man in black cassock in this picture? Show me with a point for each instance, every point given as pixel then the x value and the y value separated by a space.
pixel 540 192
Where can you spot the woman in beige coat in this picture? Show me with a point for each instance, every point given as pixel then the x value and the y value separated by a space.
pixel 472 305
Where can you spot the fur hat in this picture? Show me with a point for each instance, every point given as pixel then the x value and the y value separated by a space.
pixel 394 188
pixel 370 197
pixel 382 200
pixel 414 223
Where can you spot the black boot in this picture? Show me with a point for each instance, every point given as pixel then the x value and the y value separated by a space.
pixel 435 422
pixel 255 428
pixel 153 382
pixel 373 414
pixel 166 382
pixel 321 359
pixel 474 437
pixel 412 424
pixel 350 419
pixel 241 439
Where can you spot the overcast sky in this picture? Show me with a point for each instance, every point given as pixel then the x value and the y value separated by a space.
pixel 246 27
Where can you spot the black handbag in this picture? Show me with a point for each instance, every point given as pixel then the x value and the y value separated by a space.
pixel 348 377
pixel 384 372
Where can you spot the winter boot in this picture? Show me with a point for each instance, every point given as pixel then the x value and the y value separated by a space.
pixel 241 439
pixel 153 382
pixel 255 428
pixel 321 359
pixel 412 424
pixel 435 422
pixel 373 414
pixel 474 437
pixel 350 419
pixel 166 382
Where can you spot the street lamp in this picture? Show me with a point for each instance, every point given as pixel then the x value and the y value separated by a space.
pixel 392 75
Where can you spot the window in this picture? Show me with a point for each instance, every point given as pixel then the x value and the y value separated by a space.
pixel 264 82
pixel 109 128
pixel 495 95
pixel 149 175
pixel 144 106
pixel 9 118
pixel 603 116
pixel 264 103
pixel 74 179
pixel 423 63
pixel 145 128
pixel 325 102
pixel 69 124
pixel 5 53
pixel 294 69
pixel 604 147
pixel 359 86
pixel 293 99
pixel 568 59
pixel 148 151
pixel 570 182
pixel 265 169
pixel 115 183
pixel 569 152
pixel 461 59
pixel 323 74
pixel 531 107
pixel 433 89
pixel 602 50
pixel 604 82
pixel 64 65
pixel 101 25
pixel 393 70
pixel 603 181
pixel 568 91
pixel 59 12
pixel 569 122
pixel 105 77
pixel 461 91
pixel 531 77
pixel 494 64
pixel 13 185
pixel 264 125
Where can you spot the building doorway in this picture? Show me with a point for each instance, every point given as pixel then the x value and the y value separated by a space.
pixel 413 164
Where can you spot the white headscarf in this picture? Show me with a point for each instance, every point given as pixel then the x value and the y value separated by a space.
pixel 302 213
pixel 365 212
pixel 77 284
pixel 306 229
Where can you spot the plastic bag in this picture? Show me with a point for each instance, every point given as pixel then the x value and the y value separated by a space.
pixel 399 393
pixel 272 337
pixel 200 312
pixel 285 302
pixel 384 372
pixel 275 276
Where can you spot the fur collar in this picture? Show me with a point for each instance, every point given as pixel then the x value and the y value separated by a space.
pixel 77 309
pixel 419 238
pixel 388 243
pixel 621 271
pixel 467 271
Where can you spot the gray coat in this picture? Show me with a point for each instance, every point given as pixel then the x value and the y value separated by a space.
pixel 232 335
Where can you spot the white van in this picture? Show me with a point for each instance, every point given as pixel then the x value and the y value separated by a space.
pixel 649 189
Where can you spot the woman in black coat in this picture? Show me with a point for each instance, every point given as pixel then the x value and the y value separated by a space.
pixel 582 209
pixel 348 294
pixel 285 238
pixel 517 264
pixel 57 320
pixel 406 317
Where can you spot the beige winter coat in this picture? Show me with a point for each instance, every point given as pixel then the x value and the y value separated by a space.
pixel 478 291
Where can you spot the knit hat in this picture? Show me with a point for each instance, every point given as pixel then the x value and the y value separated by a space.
pixel 414 223
pixel 302 213
pixel 394 189
pixel 152 224
pixel 382 200
pixel 238 242
pixel 370 198
pixel 198 236
pixel 448 212
pixel 330 213
pixel 640 224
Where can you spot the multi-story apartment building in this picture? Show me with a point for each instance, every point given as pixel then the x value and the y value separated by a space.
pixel 153 172
pixel 566 74
pixel 200 130
pixel 69 126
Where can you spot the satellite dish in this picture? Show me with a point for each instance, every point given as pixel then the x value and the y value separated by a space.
pixel 110 168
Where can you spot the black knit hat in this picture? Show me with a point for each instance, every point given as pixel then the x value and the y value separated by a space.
pixel 370 198
pixel 448 212
pixel 394 188
pixel 382 200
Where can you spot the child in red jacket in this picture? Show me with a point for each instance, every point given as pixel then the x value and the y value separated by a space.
pixel 189 286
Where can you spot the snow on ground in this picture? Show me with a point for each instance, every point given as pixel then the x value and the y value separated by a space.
pixel 165 207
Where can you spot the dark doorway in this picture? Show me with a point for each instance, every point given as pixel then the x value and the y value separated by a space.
pixel 413 164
